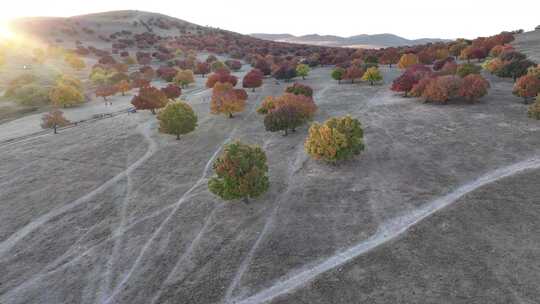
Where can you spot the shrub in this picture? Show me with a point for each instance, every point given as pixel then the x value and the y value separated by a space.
pixel 449 68
pixel 177 118
pixel 300 89
pixel 372 75
pixel 54 119
pixel 527 87
pixel 225 100
pixel 474 86
pixel 149 98
pixel 337 139
pixel 467 69
pixel 172 91
pixel 515 68
pixel 253 79
pixel 302 70
pixel 283 118
pixel 534 109
pixel 240 173
pixel 338 74
pixel 407 60
pixel 419 88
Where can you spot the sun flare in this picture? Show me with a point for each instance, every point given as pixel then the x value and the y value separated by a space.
pixel 5 31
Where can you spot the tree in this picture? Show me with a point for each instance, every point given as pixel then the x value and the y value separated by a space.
pixel 184 78
pixel 335 140
pixel 338 74
pixel 149 98
pixel 221 76
pixel 300 89
pixel 225 100
pixel 372 75
pixel 527 87
pixel 63 95
pixel 404 83
pixel 515 68
pixel 474 86
pixel 234 65
pixel 263 66
pixel 240 173
pixel 467 69
pixel 123 86
pixel 390 56
pixel 353 72
pixel 302 70
pixel 442 88
pixel 534 71
pixel 283 118
pixel 177 118
pixel 105 91
pixel 217 65
pixel 304 104
pixel 407 60
pixel 419 88
pixel 253 79
pixel 54 119
pixel 172 91
pixel 75 62
pixel 167 73
pixel 285 72
pixel 534 109
pixel 202 68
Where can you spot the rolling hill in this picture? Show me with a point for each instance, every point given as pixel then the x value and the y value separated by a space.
pixel 367 41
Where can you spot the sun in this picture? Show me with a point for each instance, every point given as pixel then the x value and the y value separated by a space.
pixel 5 31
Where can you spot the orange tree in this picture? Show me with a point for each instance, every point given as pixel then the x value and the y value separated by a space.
pixel 225 100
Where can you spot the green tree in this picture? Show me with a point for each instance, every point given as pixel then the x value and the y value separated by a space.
pixel 240 173
pixel 177 118
pixel 337 74
pixel 302 70
pixel 372 75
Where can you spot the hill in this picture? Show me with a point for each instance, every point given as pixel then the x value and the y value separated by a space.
pixel 369 41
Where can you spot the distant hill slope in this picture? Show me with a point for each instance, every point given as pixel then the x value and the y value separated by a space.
pixel 373 41
pixel 529 44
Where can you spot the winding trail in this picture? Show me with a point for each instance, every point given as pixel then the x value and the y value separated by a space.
pixel 10 242
pixel 388 231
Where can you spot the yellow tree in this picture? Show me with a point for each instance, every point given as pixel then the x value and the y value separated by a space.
pixel 184 78
pixel 407 60
pixel 372 75
pixel 65 95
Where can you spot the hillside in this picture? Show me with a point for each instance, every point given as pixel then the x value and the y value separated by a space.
pixel 369 41
pixel 440 207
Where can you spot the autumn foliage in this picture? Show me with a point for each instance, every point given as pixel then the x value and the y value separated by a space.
pixel 240 173
pixel 407 60
pixel 172 91
pixel 534 109
pixel 527 87
pixel 226 100
pixel 54 119
pixel 336 139
pixel 253 79
pixel 149 98
pixel 300 89
pixel 223 76
pixel 473 87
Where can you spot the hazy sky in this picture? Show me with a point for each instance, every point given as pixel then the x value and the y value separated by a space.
pixel 409 18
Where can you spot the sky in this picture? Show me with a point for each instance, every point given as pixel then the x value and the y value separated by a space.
pixel 411 19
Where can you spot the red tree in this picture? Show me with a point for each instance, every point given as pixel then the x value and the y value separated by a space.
pixel 221 75
pixel 106 91
pixel 253 79
pixel 527 87
pixel 172 91
pixel 202 68
pixel 473 87
pixel 149 98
